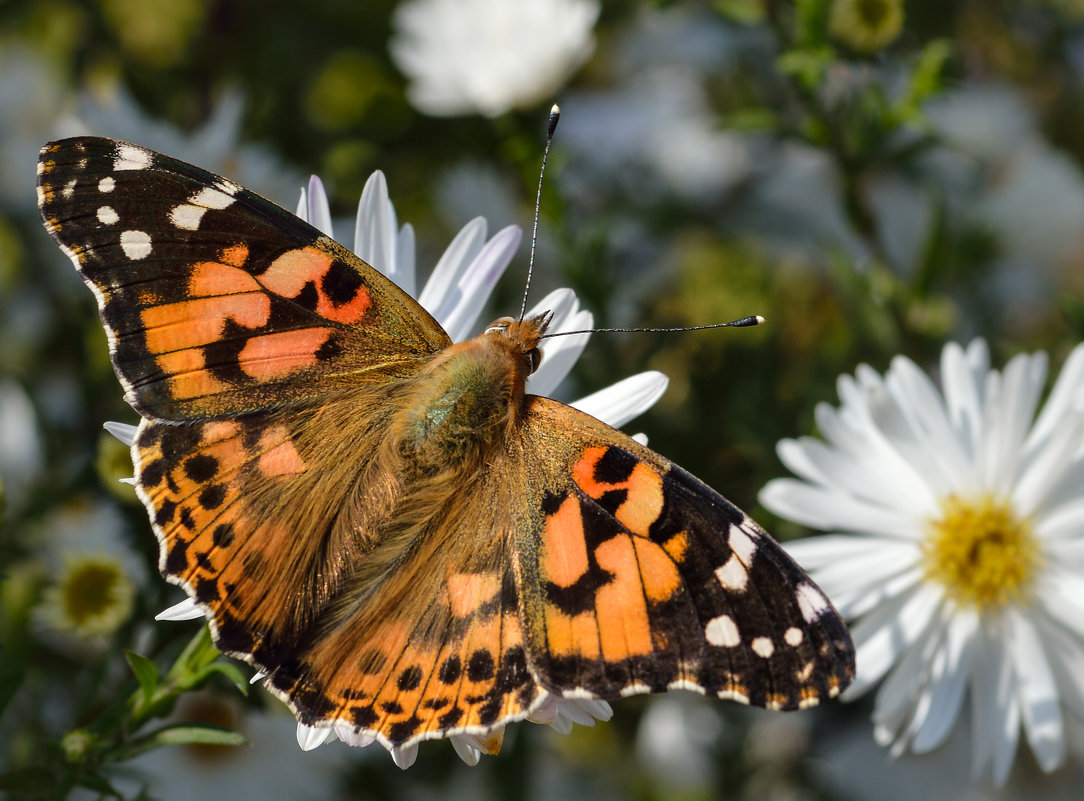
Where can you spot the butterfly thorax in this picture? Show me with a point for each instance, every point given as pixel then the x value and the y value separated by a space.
pixel 469 397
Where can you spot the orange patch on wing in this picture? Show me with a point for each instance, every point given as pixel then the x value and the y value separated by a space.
pixel 658 573
pixel 280 456
pixel 677 545
pixel 621 603
pixel 564 549
pixel 219 429
pixel 200 321
pixel 235 255
pixel 468 591
pixel 644 500
pixel 210 279
pixel 290 272
pixel 572 635
pixel 187 376
pixel 275 355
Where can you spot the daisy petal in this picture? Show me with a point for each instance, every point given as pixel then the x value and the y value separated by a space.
pixel 477 282
pixel 436 296
pixel 310 737
pixel 185 610
pixel 619 403
pixel 122 431
pixel 1038 693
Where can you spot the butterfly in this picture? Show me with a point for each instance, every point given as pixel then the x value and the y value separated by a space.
pixel 403 541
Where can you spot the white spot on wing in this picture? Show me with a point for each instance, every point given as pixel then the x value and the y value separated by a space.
pixel 211 198
pixel 733 575
pixel 762 647
pixel 723 632
pixel 107 184
pixel 69 188
pixel 811 602
pixel 135 244
pixel 186 216
pixel 130 157
pixel 742 544
pixel 107 215
pixel 793 636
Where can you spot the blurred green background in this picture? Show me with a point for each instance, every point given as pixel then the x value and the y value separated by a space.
pixel 871 190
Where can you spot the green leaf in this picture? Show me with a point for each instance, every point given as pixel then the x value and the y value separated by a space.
pixel 807 66
pixel 925 81
pixel 97 783
pixel 228 669
pixel 145 672
pixel 187 733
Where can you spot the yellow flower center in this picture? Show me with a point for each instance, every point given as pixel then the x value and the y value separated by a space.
pixel 981 552
pixel 90 590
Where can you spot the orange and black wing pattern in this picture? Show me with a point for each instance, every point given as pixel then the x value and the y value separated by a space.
pixel 215 300
pixel 636 577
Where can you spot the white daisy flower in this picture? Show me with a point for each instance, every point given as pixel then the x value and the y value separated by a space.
pixel 489 56
pixel 455 294
pixel 957 546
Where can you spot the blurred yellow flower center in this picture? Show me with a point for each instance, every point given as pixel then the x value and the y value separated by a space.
pixel 981 552
pixel 95 594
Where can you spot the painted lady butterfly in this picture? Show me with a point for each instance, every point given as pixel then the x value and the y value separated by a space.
pixel 383 522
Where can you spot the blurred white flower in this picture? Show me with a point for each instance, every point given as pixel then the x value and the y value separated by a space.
pixel 957 545
pixel 216 145
pixel 21 451
pixel 660 123
pixel 489 56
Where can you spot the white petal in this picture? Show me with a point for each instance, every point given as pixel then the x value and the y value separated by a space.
pixel 355 739
pixel 1066 652
pixel 258 676
pixel 962 388
pixel 629 398
pixel 310 737
pixel 990 674
pixel 404 757
pixel 465 749
pixel 1007 717
pixel 318 211
pixel 559 353
pixel 437 295
pixel 122 431
pixel 185 610
pixel 476 283
pixel 854 600
pixel 584 711
pixel 1009 414
pixel 1040 477
pixel 404 271
pixel 829 509
pixel 899 698
pixel 881 636
pixel 376 234
pixel 1064 397
pixel 131 482
pixel 949 678
pixel 936 442
pixel 562 724
pixel 640 437
pixel 1038 693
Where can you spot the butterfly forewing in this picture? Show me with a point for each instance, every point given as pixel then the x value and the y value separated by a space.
pixel 215 300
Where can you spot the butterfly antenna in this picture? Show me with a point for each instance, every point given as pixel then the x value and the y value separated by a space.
pixel 551 126
pixel 744 322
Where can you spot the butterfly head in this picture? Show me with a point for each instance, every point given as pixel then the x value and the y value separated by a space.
pixel 524 335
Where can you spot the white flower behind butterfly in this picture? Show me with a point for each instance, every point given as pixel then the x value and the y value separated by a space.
pixel 489 56
pixel 455 295
pixel 957 545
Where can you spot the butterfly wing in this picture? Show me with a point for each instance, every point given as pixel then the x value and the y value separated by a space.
pixel 361 619
pixel 635 577
pixel 215 300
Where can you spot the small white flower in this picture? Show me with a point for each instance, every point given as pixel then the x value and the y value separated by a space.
pixel 957 546
pixel 489 56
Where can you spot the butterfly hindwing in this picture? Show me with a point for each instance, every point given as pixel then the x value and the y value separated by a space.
pixel 215 300
pixel 637 577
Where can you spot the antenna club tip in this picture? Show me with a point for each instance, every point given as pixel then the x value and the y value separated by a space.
pixel 759 320
pixel 555 115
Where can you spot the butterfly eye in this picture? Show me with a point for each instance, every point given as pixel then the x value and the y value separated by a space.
pixel 534 359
